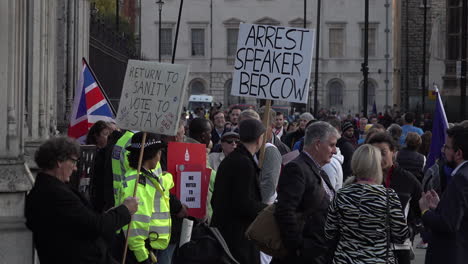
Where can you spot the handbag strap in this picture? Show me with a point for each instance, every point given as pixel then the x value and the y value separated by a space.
pixel 387 223
pixel 157 184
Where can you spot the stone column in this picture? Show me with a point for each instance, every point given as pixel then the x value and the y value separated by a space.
pixel 41 68
pixel 72 45
pixel 15 178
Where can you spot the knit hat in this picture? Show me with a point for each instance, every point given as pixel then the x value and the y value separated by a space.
pixel 306 116
pixel 250 130
pixel 346 126
pixel 152 141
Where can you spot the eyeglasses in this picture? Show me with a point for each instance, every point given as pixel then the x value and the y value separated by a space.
pixel 446 147
pixel 74 161
pixel 230 141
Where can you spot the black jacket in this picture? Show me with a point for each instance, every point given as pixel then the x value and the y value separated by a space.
pixel 409 190
pixel 292 137
pixel 411 161
pixel 65 228
pixel 102 191
pixel 347 150
pixel 215 138
pixel 448 223
pixel 236 202
pixel 300 190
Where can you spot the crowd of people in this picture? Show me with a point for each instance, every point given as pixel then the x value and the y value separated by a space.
pixel 346 189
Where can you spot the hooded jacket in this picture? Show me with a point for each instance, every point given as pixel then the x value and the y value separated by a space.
pixel 334 170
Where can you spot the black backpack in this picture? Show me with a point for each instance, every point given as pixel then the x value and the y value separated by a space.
pixel 206 246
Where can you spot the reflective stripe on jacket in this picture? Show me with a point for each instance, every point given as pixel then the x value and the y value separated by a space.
pixel 153 218
pixel 120 164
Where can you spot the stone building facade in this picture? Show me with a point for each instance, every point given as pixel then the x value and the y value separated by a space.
pixel 208 35
pixel 442 51
pixel 42 44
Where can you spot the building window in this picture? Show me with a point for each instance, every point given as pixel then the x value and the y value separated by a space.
pixel 197 87
pixel 166 41
pixel 454 19
pixel 198 42
pixel 232 34
pixel 336 42
pixel 372 40
pixel 335 88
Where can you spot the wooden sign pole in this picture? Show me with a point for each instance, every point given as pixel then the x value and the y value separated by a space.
pixel 266 122
pixel 140 160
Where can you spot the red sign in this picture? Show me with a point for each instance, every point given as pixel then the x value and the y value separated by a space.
pixel 187 163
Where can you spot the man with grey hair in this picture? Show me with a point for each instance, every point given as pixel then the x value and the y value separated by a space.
pixel 305 188
pixel 244 115
pixel 291 138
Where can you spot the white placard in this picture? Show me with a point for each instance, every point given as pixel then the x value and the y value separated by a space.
pixel 273 62
pixel 186 231
pixel 152 97
pixel 190 188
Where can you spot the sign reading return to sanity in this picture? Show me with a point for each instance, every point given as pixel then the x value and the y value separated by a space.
pixel 152 97
pixel 273 62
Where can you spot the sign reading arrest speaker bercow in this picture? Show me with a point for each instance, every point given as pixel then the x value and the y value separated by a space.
pixel 152 97
pixel 273 62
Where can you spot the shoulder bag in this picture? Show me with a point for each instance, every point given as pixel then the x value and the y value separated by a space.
pixel 265 233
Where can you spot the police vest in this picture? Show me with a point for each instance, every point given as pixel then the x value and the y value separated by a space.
pixel 153 218
pixel 120 164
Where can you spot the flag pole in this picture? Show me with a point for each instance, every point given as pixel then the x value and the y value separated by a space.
pixel 100 88
pixel 177 31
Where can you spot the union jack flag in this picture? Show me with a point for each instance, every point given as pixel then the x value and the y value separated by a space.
pixel 90 105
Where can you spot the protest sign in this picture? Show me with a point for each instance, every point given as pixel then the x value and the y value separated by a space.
pixel 152 97
pixel 193 188
pixel 184 153
pixel 190 185
pixel 273 62
pixel 187 163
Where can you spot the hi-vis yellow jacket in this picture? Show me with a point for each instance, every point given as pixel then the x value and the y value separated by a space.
pixel 120 164
pixel 153 218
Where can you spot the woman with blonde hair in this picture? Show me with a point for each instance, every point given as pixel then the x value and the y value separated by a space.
pixel 360 215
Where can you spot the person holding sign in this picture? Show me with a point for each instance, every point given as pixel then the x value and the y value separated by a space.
pixel 236 198
pixel 151 225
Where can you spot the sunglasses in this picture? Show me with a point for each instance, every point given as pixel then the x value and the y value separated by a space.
pixel 230 141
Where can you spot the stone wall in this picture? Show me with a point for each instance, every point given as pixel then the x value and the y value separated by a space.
pixel 412 23
pixel 39 65
pixel 15 178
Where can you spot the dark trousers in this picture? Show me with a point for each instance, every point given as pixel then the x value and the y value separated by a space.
pixel 402 256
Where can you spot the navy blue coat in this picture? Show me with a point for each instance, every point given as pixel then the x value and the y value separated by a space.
pixel 448 223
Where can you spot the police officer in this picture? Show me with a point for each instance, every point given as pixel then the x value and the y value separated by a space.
pixel 150 229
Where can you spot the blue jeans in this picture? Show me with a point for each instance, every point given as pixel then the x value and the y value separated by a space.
pixel 165 256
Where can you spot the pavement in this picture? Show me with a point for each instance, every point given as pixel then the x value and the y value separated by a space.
pixel 419 253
